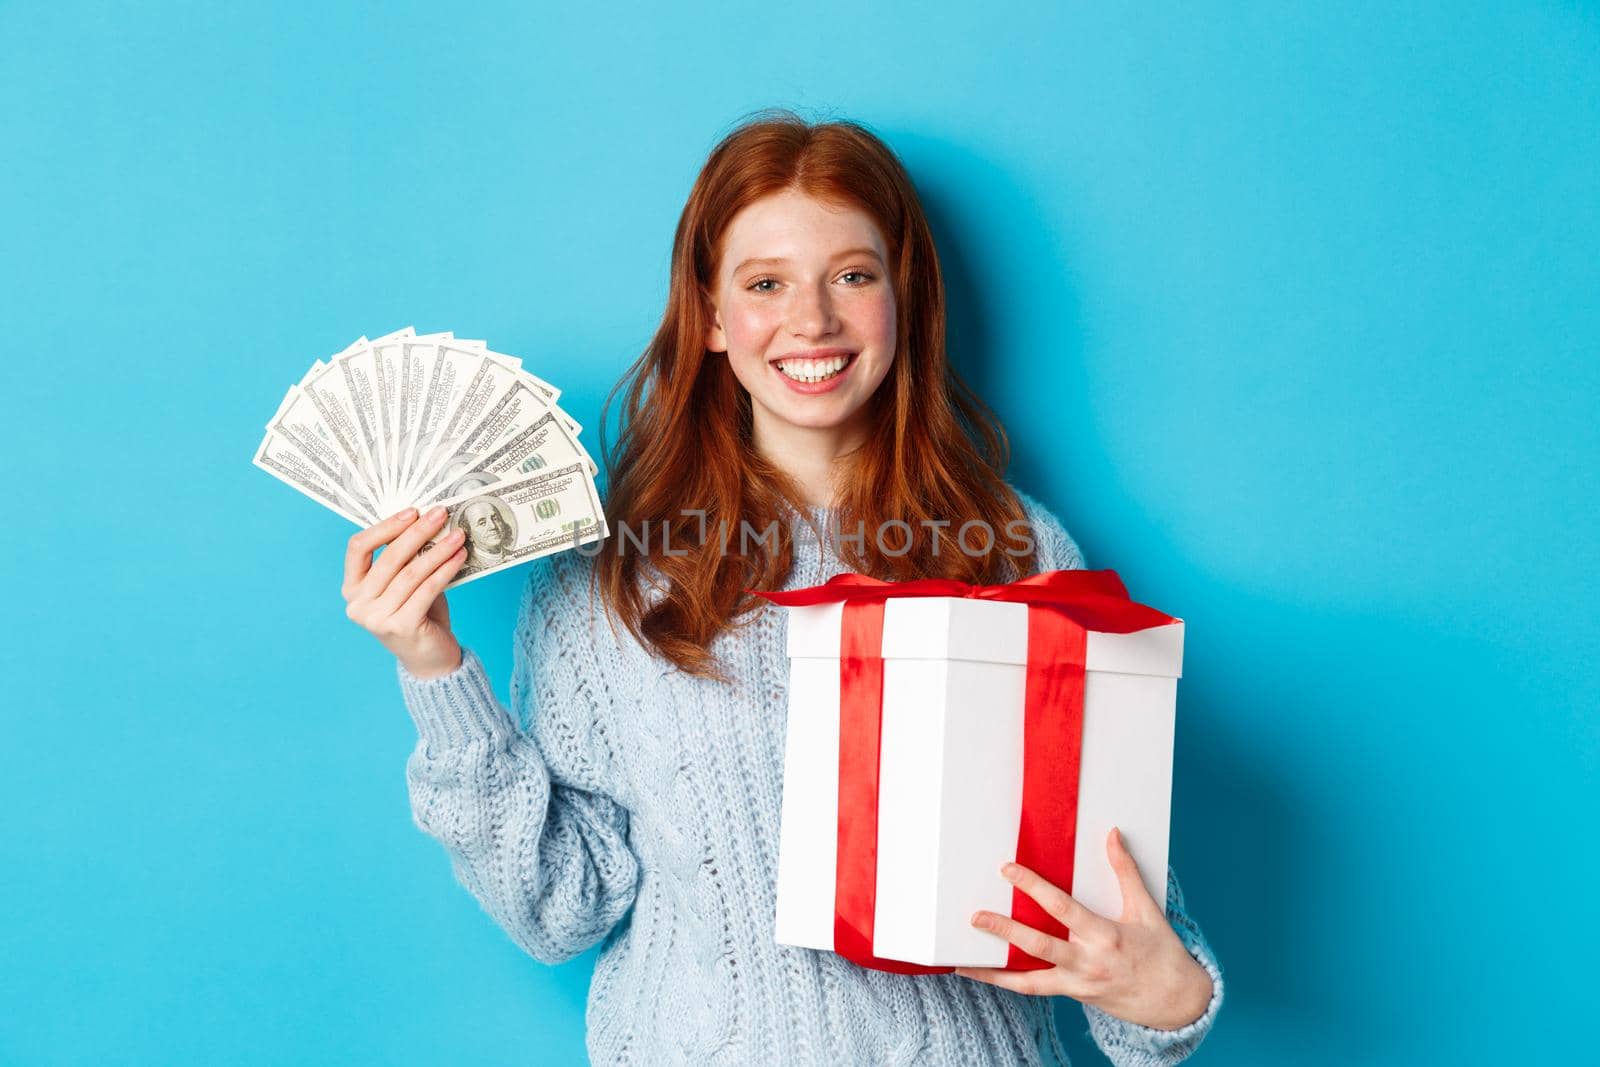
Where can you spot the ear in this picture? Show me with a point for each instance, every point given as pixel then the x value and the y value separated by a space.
pixel 716 340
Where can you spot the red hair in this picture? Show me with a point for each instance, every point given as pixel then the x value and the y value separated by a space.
pixel 937 452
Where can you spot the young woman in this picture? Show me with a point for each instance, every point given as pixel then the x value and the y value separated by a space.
pixel 797 393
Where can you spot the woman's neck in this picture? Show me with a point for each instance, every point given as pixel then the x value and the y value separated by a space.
pixel 810 456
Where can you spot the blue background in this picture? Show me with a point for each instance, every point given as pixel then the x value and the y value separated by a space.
pixel 1292 313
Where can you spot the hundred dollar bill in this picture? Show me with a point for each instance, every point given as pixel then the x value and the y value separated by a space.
pixel 444 371
pixel 522 519
pixel 416 363
pixel 358 373
pixel 333 394
pixel 519 433
pixel 404 367
pixel 321 363
pixel 279 457
pixel 551 393
pixel 386 386
pixel 387 371
pixel 299 421
pixel 464 384
pixel 384 369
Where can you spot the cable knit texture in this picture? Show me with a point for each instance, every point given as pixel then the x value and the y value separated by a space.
pixel 624 802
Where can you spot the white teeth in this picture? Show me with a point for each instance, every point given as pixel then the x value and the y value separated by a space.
pixel 812 370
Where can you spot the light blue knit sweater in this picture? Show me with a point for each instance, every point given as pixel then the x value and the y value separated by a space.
pixel 628 802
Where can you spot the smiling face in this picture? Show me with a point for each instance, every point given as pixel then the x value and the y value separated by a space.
pixel 485 529
pixel 803 287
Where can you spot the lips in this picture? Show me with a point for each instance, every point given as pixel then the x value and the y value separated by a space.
pixel 823 385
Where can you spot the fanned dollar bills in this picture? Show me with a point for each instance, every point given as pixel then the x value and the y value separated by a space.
pixel 421 420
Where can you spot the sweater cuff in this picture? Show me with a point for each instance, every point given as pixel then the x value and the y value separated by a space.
pixel 1155 1042
pixel 455 709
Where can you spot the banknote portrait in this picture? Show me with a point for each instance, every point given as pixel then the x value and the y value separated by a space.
pixel 491 531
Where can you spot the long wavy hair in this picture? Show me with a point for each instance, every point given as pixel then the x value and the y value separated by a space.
pixel 937 452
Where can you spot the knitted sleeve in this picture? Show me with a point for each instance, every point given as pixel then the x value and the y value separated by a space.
pixel 524 804
pixel 1129 1044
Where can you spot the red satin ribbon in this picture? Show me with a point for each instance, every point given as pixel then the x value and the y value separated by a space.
pixel 1062 607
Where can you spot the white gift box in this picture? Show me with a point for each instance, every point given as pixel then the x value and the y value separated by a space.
pixel 950 772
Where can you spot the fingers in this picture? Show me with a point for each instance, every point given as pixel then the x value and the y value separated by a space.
pixel 399 554
pixel 1035 983
pixel 1034 942
pixel 422 566
pixel 417 604
pixel 358 553
pixel 1053 899
pixel 1136 899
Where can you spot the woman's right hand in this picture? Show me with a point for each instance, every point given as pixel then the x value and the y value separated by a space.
pixel 399 599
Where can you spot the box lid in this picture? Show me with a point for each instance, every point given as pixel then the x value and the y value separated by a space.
pixel 988 631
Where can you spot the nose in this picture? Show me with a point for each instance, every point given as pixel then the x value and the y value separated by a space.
pixel 813 311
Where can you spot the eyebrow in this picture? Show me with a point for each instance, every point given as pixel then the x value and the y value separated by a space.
pixel 846 254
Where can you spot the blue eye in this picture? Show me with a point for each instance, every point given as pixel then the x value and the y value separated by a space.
pixel 761 281
pixel 861 273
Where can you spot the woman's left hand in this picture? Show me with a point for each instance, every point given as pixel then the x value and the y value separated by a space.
pixel 1136 969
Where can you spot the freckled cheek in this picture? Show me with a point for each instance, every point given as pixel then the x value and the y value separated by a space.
pixel 875 321
pixel 750 329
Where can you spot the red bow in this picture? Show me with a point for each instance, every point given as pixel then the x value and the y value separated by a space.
pixel 1062 607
